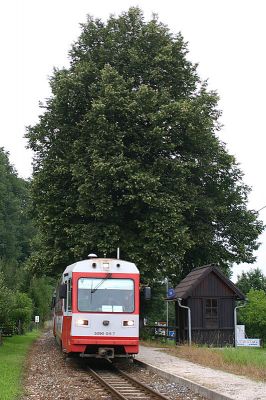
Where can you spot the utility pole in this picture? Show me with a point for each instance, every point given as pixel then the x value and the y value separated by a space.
pixel 167 308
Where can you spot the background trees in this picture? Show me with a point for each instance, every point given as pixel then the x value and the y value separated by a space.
pixel 40 291
pixel 15 225
pixel 253 315
pixel 15 309
pixel 126 154
pixel 254 279
pixel 6 304
pixel 17 303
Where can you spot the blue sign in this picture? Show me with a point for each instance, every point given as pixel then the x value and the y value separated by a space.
pixel 171 293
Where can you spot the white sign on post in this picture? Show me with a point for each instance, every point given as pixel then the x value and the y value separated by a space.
pixel 248 343
pixel 240 332
pixel 37 319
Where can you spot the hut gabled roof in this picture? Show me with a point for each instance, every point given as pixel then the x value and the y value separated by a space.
pixel 193 279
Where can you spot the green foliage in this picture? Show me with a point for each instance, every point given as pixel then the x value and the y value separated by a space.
pixel 22 311
pixel 12 355
pixel 14 273
pixel 15 308
pixel 126 154
pixel 6 305
pixel 16 232
pixel 41 290
pixel 15 225
pixel 9 269
pixel 254 279
pixel 254 314
pixel 155 309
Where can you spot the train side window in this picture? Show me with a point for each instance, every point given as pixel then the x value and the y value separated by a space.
pixel 58 303
pixel 69 295
pixel 65 304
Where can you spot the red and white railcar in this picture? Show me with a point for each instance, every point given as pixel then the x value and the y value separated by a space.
pixel 96 308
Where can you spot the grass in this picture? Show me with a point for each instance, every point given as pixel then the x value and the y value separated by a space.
pixel 244 356
pixel 250 362
pixel 13 353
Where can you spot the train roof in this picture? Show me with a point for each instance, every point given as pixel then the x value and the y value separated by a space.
pixel 108 265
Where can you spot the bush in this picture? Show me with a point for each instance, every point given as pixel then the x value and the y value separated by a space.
pixel 6 306
pixel 22 311
pixel 254 314
pixel 15 309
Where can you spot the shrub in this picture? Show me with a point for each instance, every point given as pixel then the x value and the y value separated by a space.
pixel 254 314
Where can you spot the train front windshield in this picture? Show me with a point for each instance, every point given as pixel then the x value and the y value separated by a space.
pixel 105 295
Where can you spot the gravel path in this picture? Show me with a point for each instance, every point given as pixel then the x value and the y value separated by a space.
pixel 49 375
pixel 232 386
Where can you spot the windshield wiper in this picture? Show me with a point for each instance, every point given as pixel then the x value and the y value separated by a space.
pixel 101 282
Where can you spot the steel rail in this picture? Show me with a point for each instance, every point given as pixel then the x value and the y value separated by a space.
pixel 104 383
pixel 144 386
pixel 127 387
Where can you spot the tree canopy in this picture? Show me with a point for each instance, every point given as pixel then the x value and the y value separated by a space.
pixel 253 315
pixel 127 155
pixel 15 225
pixel 254 279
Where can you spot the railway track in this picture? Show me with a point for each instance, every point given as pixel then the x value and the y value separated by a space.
pixel 123 386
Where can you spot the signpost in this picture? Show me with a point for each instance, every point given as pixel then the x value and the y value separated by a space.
pixel 171 334
pixel 242 341
pixel 37 320
pixel 171 293
pixel 240 332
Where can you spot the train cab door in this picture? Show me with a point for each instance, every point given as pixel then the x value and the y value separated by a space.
pixel 67 312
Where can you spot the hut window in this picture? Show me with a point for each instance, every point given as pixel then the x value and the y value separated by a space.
pixel 211 313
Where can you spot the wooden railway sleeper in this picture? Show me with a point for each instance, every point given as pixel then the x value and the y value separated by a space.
pixel 104 383
pixel 125 387
pixel 149 389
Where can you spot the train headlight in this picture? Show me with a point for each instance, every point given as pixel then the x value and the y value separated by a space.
pixel 128 323
pixel 82 322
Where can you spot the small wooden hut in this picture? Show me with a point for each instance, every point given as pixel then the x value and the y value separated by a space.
pixel 211 298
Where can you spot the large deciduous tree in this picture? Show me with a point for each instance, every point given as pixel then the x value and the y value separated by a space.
pixel 127 154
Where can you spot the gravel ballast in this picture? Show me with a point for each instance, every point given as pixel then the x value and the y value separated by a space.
pixel 51 375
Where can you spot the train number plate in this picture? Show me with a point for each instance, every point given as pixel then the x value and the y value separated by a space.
pixel 104 333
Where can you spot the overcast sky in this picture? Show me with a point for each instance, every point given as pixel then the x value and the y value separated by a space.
pixel 226 38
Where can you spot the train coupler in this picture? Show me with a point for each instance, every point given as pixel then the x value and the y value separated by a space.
pixel 106 352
